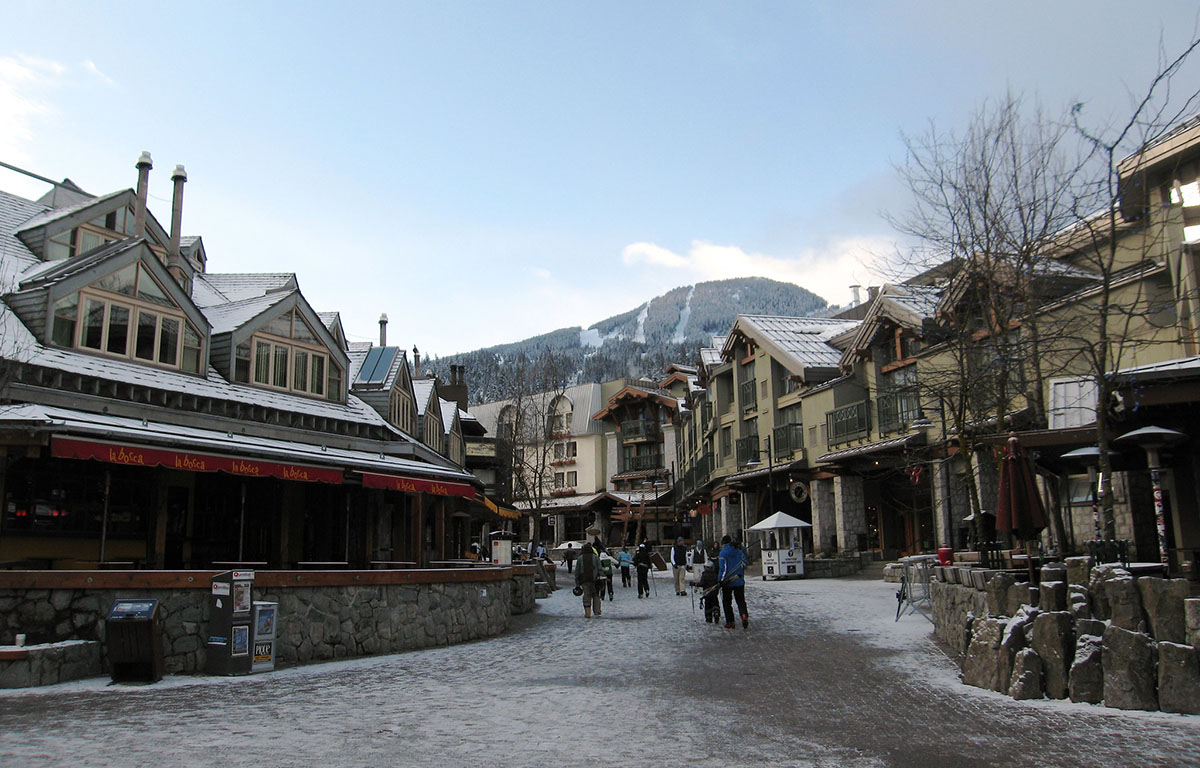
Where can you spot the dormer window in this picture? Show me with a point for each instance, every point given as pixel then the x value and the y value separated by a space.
pixel 112 226
pixel 128 314
pixel 285 354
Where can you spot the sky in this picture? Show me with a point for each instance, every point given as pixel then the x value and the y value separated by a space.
pixel 483 172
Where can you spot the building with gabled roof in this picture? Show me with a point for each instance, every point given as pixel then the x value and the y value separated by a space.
pixel 215 410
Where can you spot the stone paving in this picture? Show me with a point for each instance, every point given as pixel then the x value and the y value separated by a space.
pixel 823 677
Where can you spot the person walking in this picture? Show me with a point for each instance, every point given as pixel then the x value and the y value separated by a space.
pixel 606 572
pixel 697 555
pixel 731 575
pixel 625 562
pixel 587 578
pixel 679 557
pixel 642 562
pixel 569 557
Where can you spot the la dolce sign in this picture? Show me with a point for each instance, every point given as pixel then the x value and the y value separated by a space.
pixel 142 456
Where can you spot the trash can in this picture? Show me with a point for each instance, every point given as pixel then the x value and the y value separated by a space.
pixel 133 640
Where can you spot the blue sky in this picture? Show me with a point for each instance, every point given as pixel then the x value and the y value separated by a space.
pixel 486 171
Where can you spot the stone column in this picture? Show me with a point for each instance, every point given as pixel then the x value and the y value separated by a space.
pixel 850 511
pixel 823 519
pixel 943 507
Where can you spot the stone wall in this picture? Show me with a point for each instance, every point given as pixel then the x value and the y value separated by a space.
pixel 1099 635
pixel 321 615
pixel 30 666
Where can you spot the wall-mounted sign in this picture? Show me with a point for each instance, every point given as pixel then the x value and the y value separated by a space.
pixel 144 456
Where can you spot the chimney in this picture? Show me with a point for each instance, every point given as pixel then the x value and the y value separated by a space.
pixel 416 362
pixel 144 164
pixel 178 176
pixel 383 330
pixel 855 289
pixel 456 390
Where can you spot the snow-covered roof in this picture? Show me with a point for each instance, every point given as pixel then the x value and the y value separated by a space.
pixel 48 215
pixel 226 318
pixel 63 420
pixel 422 393
pixel 236 287
pixel 797 342
pixel 449 412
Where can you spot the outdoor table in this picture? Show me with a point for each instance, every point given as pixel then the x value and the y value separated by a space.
pixel 386 564
pixel 914 589
pixel 1146 569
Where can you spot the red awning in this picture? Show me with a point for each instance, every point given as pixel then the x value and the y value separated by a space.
pixel 416 485
pixel 143 456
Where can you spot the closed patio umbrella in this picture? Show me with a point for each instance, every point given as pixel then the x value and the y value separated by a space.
pixel 1019 506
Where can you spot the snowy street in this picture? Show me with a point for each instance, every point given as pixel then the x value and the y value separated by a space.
pixel 823 677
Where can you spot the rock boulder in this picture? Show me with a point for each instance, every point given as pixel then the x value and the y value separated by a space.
pixel 1129 660
pixel 1162 599
pixel 1178 679
pixel 1053 638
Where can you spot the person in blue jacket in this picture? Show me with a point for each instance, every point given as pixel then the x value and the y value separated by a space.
pixel 732 577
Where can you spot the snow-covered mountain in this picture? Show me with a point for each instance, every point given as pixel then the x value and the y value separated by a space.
pixel 638 343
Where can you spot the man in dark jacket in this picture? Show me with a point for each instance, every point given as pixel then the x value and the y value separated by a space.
pixel 679 564
pixel 569 557
pixel 587 578
pixel 641 561
pixel 732 576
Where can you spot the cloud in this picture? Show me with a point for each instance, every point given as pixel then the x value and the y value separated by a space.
pixel 540 273
pixel 827 270
pixel 21 77
pixel 91 67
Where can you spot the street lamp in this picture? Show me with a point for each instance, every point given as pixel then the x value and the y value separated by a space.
pixel 753 462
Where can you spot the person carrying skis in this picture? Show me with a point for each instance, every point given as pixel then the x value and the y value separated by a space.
pixel 732 577
pixel 710 599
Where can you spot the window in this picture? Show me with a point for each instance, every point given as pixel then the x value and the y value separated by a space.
pixel 286 365
pixel 127 314
pixel 726 440
pixel 103 229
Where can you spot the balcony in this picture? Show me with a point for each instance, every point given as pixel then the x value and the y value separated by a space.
pixel 642 463
pixel 640 429
pixel 848 423
pixel 563 491
pixel 747 450
pixel 896 410
pixel 786 440
pixel 749 395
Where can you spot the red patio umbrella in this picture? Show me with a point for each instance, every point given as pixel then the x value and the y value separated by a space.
pixel 1019 506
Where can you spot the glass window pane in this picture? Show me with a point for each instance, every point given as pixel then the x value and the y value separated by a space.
pixel 168 342
pixel 262 362
pixel 318 374
pixel 148 289
pixel 301 331
pixel 121 281
pixel 335 383
pixel 118 329
pixel 280 326
pixel 280 372
pixel 93 325
pixel 193 346
pixel 191 360
pixel 143 345
pixel 66 310
pixel 88 241
pixel 300 371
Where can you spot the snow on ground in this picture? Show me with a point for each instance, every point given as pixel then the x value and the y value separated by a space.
pixel 823 677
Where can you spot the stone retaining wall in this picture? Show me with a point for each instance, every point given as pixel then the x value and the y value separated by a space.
pixel 29 666
pixel 1099 635
pixel 322 615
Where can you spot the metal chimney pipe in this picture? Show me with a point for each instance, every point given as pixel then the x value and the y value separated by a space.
pixel 179 176
pixel 855 289
pixel 383 330
pixel 416 362
pixel 144 164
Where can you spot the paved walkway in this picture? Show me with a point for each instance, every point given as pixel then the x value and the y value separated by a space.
pixel 823 677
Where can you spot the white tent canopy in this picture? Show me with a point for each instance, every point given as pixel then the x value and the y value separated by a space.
pixel 779 520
